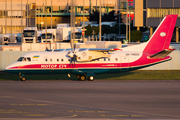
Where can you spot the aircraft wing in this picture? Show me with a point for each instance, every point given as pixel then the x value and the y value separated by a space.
pixel 104 49
pixel 162 54
pixel 91 54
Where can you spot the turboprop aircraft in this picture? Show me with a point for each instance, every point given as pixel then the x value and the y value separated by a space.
pixel 86 63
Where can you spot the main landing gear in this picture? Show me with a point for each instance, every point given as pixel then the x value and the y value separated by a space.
pixel 90 77
pixel 83 78
pixel 22 77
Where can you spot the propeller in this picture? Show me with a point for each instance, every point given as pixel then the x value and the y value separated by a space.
pixel 72 54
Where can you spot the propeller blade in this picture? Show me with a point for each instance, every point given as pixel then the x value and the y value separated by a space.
pixel 72 53
pixel 74 46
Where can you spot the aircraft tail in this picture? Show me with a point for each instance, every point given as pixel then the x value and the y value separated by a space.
pixel 161 38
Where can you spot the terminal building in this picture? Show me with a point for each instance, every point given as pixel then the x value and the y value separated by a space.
pixel 150 13
pixel 21 13
pixel 15 15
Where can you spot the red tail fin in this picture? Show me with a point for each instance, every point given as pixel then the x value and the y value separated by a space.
pixel 161 38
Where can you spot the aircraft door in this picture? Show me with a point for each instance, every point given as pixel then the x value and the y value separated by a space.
pixel 124 63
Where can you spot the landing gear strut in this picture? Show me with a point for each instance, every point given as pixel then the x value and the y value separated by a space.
pixel 22 77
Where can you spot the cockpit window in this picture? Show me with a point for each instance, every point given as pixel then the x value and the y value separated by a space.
pixel 28 59
pixel 24 59
pixel 20 59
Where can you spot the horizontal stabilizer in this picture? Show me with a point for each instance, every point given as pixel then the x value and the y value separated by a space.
pixel 161 54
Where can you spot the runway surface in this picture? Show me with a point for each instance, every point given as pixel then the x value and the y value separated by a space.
pixel 97 100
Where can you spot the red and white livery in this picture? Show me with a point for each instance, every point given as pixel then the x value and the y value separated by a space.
pixel 86 63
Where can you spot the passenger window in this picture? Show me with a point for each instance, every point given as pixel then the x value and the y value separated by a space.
pixel 50 60
pixel 104 59
pixel 46 60
pixel 116 59
pixel 62 60
pixel 109 59
pixel 68 59
pixel 57 60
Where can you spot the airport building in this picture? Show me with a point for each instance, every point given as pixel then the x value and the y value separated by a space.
pixel 150 13
pixel 17 14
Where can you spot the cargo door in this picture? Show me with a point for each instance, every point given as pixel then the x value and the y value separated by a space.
pixel 124 63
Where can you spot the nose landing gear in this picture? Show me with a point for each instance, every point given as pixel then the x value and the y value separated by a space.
pixel 22 77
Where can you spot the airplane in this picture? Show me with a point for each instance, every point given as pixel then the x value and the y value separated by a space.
pixel 88 62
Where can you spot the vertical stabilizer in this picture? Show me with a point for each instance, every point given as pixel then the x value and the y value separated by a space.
pixel 161 38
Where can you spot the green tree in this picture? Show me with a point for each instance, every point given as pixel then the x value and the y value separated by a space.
pixel 96 29
pixel 136 35
pixel 109 16
pixel 106 29
pixel 94 16
pixel 90 29
pixel 115 28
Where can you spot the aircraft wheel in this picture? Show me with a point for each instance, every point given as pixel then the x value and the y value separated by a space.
pixel 91 78
pixel 23 79
pixel 81 77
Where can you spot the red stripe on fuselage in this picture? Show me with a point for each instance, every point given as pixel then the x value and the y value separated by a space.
pixel 67 66
pixel 140 62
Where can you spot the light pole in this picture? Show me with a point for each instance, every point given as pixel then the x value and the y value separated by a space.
pixel 6 17
pixel 100 21
pixel 119 20
pixel 126 19
pixel 83 21
pixel 129 27
pixel 51 16
pixel 21 23
pixel 27 15
pixel 46 19
pixel 11 21
pixel 72 23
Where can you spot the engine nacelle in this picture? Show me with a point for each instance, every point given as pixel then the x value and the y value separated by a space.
pixel 90 55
